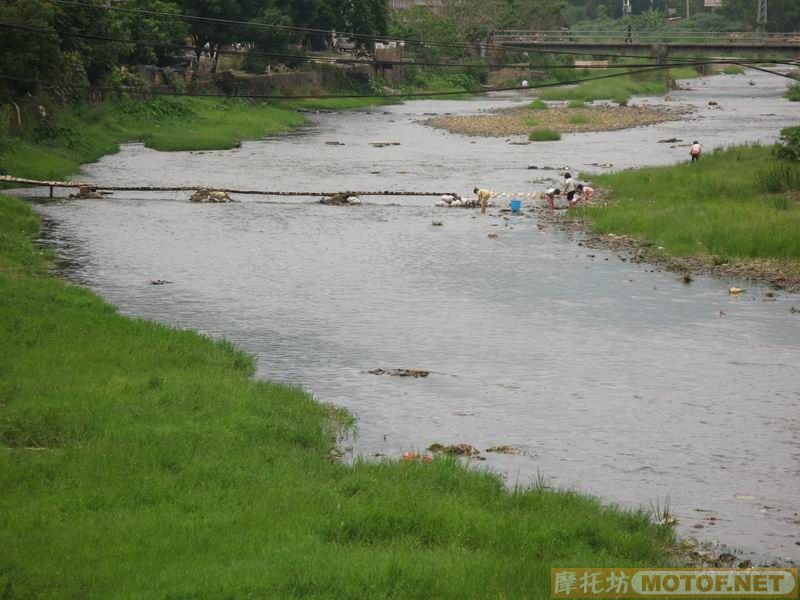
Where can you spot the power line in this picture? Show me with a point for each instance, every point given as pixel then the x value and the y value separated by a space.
pixel 325 96
pixel 770 71
pixel 327 59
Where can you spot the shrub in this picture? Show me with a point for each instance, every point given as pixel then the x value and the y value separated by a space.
pixel 793 92
pixel 544 135
pixel 577 103
pixel 538 105
pixel 788 146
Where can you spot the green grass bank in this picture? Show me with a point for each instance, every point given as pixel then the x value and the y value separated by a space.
pixel 77 134
pixel 735 205
pixel 139 461
pixel 619 89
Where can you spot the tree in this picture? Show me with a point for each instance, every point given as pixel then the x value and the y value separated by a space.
pixel 152 28
pixel 96 57
pixel 27 54
pixel 268 39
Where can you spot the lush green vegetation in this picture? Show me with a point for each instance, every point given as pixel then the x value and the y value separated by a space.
pixel 793 92
pixel 140 461
pixel 544 135
pixel 75 134
pixel 619 89
pixel 740 203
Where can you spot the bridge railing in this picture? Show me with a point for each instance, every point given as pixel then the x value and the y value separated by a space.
pixel 716 38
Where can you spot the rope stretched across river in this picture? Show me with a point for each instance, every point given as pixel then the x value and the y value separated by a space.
pixel 194 188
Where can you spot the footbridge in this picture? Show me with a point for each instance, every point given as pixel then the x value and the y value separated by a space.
pixel 657 43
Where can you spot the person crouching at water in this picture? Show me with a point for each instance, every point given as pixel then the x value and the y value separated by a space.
pixel 483 197
pixel 695 150
pixel 550 195
pixel 569 187
pixel 585 193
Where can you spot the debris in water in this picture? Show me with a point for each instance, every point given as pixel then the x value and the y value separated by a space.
pixel 208 195
pixel 504 450
pixel 87 192
pixel 416 373
pixel 735 290
pixel 687 278
pixel 160 282
pixel 437 223
pixel 383 144
pixel 416 456
pixel 455 449
pixel 334 143
pixel 492 235
pixel 341 199
pixel 669 141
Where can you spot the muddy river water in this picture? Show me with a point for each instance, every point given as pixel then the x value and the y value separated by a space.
pixel 613 378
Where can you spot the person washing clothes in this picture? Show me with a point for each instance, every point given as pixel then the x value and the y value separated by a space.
pixel 550 195
pixel 483 197
pixel 585 193
pixel 569 187
pixel 695 150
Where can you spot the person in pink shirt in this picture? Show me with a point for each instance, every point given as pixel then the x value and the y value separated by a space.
pixel 695 150
pixel 585 193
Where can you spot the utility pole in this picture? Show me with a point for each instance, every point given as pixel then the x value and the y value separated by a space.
pixel 687 9
pixel 761 15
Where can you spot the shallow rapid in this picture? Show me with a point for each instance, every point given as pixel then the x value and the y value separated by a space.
pixel 613 378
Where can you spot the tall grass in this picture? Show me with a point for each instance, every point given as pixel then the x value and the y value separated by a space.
pixel 793 92
pixel 725 205
pixel 140 461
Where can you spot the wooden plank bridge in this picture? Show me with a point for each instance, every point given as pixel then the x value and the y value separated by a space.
pixel 95 186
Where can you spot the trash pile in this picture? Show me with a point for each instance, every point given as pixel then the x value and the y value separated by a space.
pixel 341 199
pixel 207 195
pixel 87 192
pixel 454 201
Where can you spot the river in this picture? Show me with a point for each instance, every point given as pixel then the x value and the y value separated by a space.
pixel 613 378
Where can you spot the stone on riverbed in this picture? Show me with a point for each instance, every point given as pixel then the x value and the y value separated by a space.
pixel 208 195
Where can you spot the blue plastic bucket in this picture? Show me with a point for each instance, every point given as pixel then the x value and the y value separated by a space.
pixel 516 206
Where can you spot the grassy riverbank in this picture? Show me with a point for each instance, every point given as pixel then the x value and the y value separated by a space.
pixel 139 461
pixel 738 205
pixel 619 89
pixel 83 133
